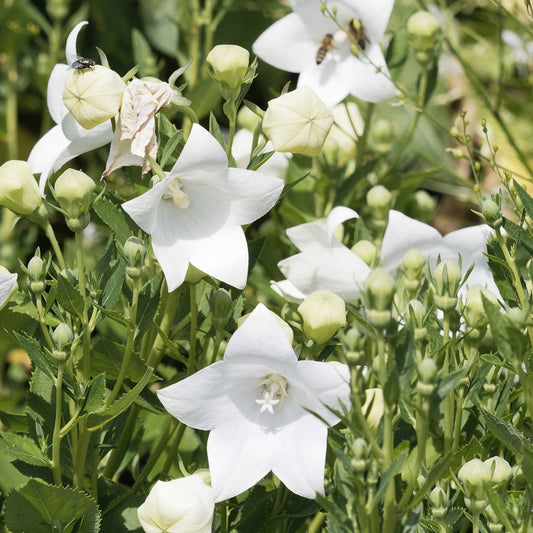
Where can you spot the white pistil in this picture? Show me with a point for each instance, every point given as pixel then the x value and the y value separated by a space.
pixel 173 192
pixel 275 389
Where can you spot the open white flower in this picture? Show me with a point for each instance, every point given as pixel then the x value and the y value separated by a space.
pixel 8 285
pixel 324 262
pixel 404 233
pixel 195 214
pixel 67 139
pixel 182 505
pixel 257 404
pixel 293 44
pixel 135 138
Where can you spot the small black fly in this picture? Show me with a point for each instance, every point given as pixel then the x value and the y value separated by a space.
pixel 83 63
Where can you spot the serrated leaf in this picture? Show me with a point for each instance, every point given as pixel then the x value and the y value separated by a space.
pixel 114 217
pixel 451 381
pixel 100 418
pixel 23 448
pixel 95 396
pixel 148 304
pixel 38 358
pixel 106 357
pixel 38 507
pixel 526 200
pixel 498 505
pixel 14 422
pixel 500 272
pixel 69 297
pixel 518 234
pixel 388 476
pixel 508 435
pixel 113 285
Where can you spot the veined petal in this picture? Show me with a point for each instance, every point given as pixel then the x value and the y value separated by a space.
pixel 70 48
pixel 337 270
pixel 223 255
pixel 239 454
pixel 374 15
pixel 470 242
pixel 337 216
pixel 261 338
pixel 368 76
pixel 403 234
pixel 253 194
pixel 7 282
pixel 328 81
pixel 144 209
pixel 310 236
pixel 287 44
pixel 288 291
pixel 202 153
pixel 199 401
pixel 174 261
pixel 300 454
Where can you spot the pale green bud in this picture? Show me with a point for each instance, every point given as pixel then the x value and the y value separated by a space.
pixel 379 200
pixel 423 29
pixel 134 251
pixel 220 308
pixel 298 122
pixel 439 501
pixel 62 336
pixel 73 192
pixel 227 65
pixel 18 189
pixel 492 212
pixel 36 268
pixel 472 475
pixel 93 95
pixel 366 250
pixel 383 135
pixel 447 276
pixel 323 313
pixel 427 370
pixel 474 311
pixel 373 407
pixel 247 119
pixel 423 205
pixel 379 287
pixel 500 470
pixel 413 263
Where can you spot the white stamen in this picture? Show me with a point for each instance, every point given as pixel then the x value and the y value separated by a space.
pixel 275 389
pixel 173 192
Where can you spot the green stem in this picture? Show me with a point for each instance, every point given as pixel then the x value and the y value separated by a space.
pixel 362 141
pixel 56 438
pixel 129 343
pixel 231 113
pixel 86 334
pixel 316 524
pixel 49 232
pixel 42 322
pixel 194 329
pixel 475 522
pixel 11 107
pixel 448 401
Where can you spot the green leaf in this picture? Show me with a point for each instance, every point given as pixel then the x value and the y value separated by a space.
pixel 69 297
pixel 22 448
pixel 348 186
pixel 113 285
pixel 143 55
pixel 388 477
pixel 518 234
pixel 451 381
pixel 106 357
pixel 41 508
pixel 500 272
pixel 507 434
pixel 160 22
pixel 148 304
pixel 204 96
pixel 37 355
pixel 499 506
pixel 215 131
pixel 14 422
pixel 168 150
pixel 94 399
pixel 113 216
pixel 100 418
pixel 526 200
pixel 255 248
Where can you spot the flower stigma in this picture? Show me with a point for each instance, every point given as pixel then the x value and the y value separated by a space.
pixel 173 192
pixel 275 389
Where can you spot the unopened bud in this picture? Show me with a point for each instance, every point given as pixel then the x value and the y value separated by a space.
pixel 492 212
pixel 36 268
pixel 472 476
pixel 423 29
pixel 500 470
pixel 73 192
pixel 227 65
pixel 323 313
pixel 423 206
pixel 447 277
pixel 378 200
pixel 383 135
pixel 427 370
pixel 220 307
pixel 366 250
pixel 413 263
pixel 134 252
pixel 373 408
pixel 380 289
pixel 18 189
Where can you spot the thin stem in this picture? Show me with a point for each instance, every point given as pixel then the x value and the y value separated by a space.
pixel 316 524
pixel 194 329
pixel 11 107
pixel 56 438
pixel 448 401
pixel 361 142
pixel 86 334
pixel 42 322
pixel 49 232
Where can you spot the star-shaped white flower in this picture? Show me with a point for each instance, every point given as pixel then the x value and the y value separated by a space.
pixel 293 42
pixel 258 404
pixel 195 214
pixel 404 233
pixel 67 139
pixel 324 262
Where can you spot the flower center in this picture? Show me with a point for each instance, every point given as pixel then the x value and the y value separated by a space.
pixel 173 192
pixel 274 390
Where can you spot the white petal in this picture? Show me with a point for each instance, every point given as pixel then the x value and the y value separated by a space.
pixel 286 289
pixel 54 92
pixel 260 338
pixel 239 454
pixel 70 48
pixel 144 209
pixel 374 16
pixel 174 261
pixel 7 282
pixel 223 255
pixel 337 216
pixel 252 193
pixel 201 153
pixel 287 44
pixel 337 270
pixel 120 155
pixel 299 456
pixel 199 401
pixel 368 77
pixel 403 234
pixel 328 80
pixel 310 236
pixel 470 242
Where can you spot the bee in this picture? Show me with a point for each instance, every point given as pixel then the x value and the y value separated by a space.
pixel 326 44
pixel 357 33
pixel 83 63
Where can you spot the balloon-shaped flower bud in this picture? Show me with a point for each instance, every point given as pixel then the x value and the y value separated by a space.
pixel 447 277
pixel 93 95
pixel 412 264
pixel 184 505
pixel 379 289
pixel 366 250
pixel 417 314
pixel 423 29
pixel 427 373
pixel 18 189
pixel 500 470
pixel 423 205
pixel 492 211
pixel 383 136
pixel 472 475
pixel 379 199
pixel 439 502
pixel 220 308
pixel 373 407
pixel 298 122
pixel 73 192
pixel 62 337
pixel 323 313
pixel 36 271
pixel 474 311
pixel 134 251
pixel 227 64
